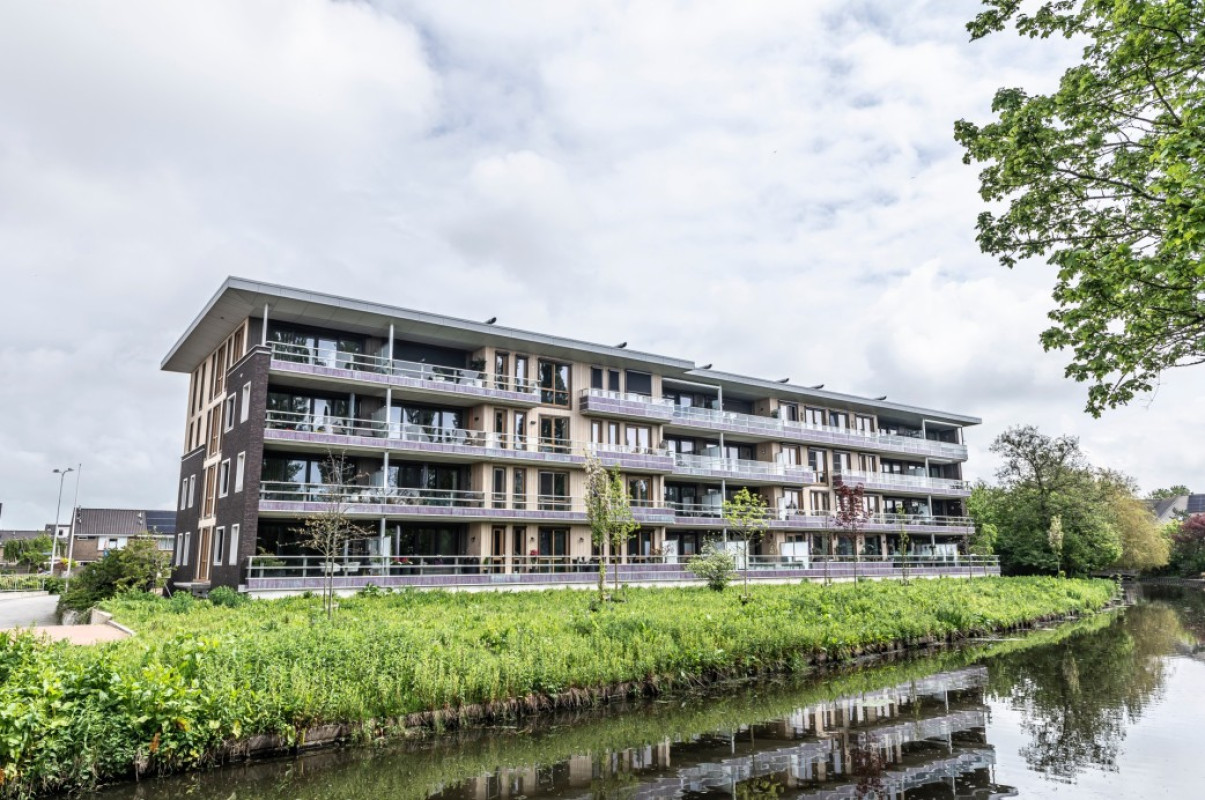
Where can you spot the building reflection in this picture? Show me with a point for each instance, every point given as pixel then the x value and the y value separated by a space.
pixel 922 739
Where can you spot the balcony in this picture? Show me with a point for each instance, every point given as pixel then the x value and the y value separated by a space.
pixel 711 515
pixel 601 403
pixel 281 574
pixel 754 425
pixel 308 430
pixel 744 470
pixel 905 484
pixel 423 379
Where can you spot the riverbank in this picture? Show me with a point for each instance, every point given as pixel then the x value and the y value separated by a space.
pixel 201 681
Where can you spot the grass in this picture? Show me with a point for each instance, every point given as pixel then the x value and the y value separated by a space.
pixel 199 675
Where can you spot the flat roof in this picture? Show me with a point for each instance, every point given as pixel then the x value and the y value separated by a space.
pixel 239 298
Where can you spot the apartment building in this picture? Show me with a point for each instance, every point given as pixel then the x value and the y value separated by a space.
pixel 458 447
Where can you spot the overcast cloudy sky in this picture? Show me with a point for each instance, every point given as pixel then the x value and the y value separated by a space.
pixel 771 186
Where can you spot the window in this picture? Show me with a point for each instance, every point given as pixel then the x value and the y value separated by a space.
pixel 185 549
pixel 228 414
pixel 234 531
pixel 184 493
pixel 239 469
pixel 211 487
pixel 192 490
pixel 820 501
pixel 554 434
pixel 864 424
pixel 179 549
pixel 815 416
pixel 638 491
pixel 818 463
pixel 521 373
pixel 499 497
pixel 788 412
pixel 789 455
pixel 224 478
pixel 500 427
pixel 219 546
pixel 554 383
pixel 842 462
pixel 519 496
pixel 502 370
pixel 553 541
pixel 520 432
pixel 865 462
pixel 638 438
pixel 245 408
pixel 839 419
pixel 554 491
pixel 214 426
pixel 640 383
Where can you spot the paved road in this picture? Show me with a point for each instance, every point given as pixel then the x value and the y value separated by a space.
pixel 21 612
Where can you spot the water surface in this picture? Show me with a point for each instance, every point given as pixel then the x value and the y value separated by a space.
pixel 1107 708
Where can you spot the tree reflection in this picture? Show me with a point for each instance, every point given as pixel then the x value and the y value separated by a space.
pixel 1077 697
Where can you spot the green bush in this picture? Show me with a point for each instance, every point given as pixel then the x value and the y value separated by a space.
pixel 54 584
pixel 227 597
pixel 715 566
pixel 190 681
pixel 139 566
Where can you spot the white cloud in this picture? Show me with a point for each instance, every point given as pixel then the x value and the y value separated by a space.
pixel 771 187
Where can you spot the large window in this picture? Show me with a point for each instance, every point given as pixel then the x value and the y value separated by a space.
pixel 554 491
pixel 519 495
pixel 299 412
pixel 554 435
pixel 638 438
pixel 603 378
pixel 554 541
pixel 280 469
pixel 426 423
pixel 639 383
pixel 638 491
pixel 554 383
pixel 430 541
pixel 314 347
pixel 499 494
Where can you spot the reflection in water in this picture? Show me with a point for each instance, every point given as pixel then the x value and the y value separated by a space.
pixel 916 730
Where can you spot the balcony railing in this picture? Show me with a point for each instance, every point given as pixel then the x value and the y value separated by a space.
pixel 891 480
pixel 775 428
pixel 690 464
pixel 291 571
pixel 879 522
pixel 433 374
pixel 625 404
pixel 437 438
pixel 348 495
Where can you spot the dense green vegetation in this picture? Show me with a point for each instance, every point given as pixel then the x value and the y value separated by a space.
pixel 200 675
pixel 140 565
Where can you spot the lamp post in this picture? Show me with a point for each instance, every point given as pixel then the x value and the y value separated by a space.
pixel 54 537
pixel 71 534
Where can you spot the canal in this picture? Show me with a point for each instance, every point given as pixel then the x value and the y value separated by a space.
pixel 1103 708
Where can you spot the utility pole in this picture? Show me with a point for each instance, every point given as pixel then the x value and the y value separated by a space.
pixel 71 535
pixel 58 507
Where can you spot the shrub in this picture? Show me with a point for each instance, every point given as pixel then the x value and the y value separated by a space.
pixel 139 566
pixel 182 602
pixel 53 584
pixel 715 566
pixel 227 597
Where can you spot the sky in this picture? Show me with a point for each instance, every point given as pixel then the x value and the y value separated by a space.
pixel 770 187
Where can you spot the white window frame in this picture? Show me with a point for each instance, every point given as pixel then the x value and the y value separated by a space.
pixel 228 413
pixel 234 532
pixel 179 549
pixel 192 490
pixel 187 545
pixel 183 493
pixel 245 407
pixel 219 544
pixel 240 468
pixel 224 478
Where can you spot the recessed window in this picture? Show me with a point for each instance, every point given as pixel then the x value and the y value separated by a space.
pixel 640 383
pixel 184 493
pixel 234 531
pixel 192 490
pixel 228 414
pixel 245 409
pixel 219 546
pixel 185 549
pixel 554 383
pixel 224 478
pixel 239 470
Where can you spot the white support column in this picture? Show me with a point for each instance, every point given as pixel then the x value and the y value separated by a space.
pixel 263 337
pixel 390 348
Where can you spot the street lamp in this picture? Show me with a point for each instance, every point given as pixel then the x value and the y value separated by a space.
pixel 71 533
pixel 54 537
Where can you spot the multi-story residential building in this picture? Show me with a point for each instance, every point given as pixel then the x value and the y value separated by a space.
pixel 459 446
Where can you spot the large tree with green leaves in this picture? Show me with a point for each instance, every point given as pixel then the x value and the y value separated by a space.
pixel 1105 178
pixel 1043 478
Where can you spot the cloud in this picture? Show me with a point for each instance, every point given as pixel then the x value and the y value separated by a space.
pixel 771 187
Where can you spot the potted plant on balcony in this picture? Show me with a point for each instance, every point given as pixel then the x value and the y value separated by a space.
pixel 476 372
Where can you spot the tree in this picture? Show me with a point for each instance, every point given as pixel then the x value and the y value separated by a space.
pixel 31 553
pixel 1144 546
pixel 330 530
pixel 1104 179
pixel 1055 537
pixel 1170 492
pixel 746 516
pixel 851 514
pixel 715 566
pixel 1188 546
pixel 609 512
pixel 1041 478
pixel 139 566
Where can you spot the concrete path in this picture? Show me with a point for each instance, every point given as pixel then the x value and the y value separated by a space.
pixel 21 612
pixel 38 612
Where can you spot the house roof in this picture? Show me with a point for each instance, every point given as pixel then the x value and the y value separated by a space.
pixel 10 535
pixel 123 521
